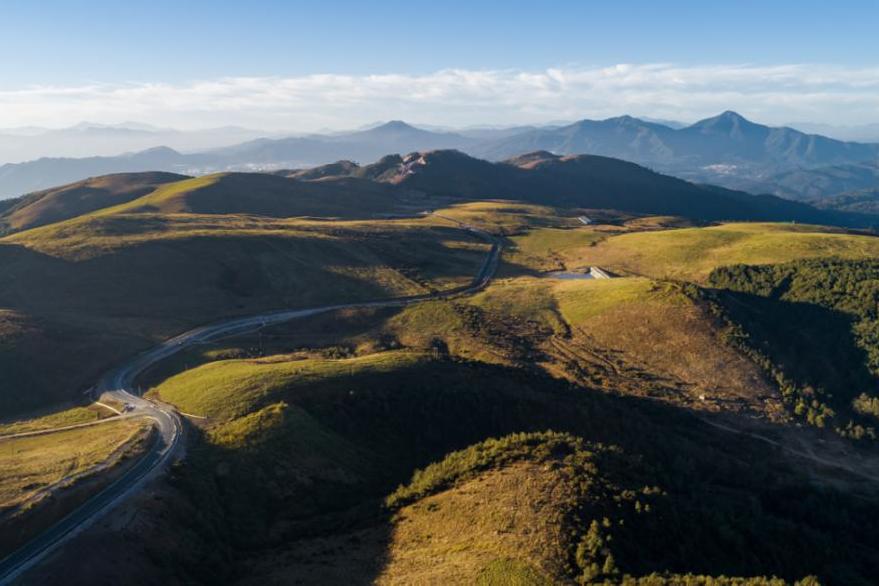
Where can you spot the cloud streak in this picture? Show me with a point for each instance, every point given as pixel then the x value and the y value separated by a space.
pixel 458 97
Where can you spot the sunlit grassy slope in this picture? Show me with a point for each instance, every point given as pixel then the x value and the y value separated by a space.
pixel 229 389
pixel 266 195
pixel 32 464
pixel 45 477
pixel 506 217
pixel 288 436
pixel 692 253
pixel 617 328
pixel 468 516
pixel 551 248
pixel 72 416
pixel 509 511
pixel 82 197
pixel 118 282
pixel 578 301
pixel 682 253
pixel 635 323
pixel 526 509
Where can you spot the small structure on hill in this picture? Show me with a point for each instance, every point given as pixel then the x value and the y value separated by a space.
pixel 598 273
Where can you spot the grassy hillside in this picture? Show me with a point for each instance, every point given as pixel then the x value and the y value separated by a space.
pixel 31 464
pixel 269 195
pixel 469 519
pixel 551 249
pixel 693 253
pixel 588 181
pixel 76 199
pixel 48 362
pixel 628 335
pixel 505 217
pixel 825 309
pixel 579 181
pixel 312 425
pixel 229 389
pixel 611 334
pixel 117 282
pixel 73 416
pixel 544 239
pixel 411 444
pixel 230 261
pixel 47 476
pixel 297 458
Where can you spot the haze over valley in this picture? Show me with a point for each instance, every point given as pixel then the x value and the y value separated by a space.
pixel 726 150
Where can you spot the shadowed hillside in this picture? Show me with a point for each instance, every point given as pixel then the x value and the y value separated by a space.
pixel 119 282
pixel 270 196
pixel 69 201
pixel 577 181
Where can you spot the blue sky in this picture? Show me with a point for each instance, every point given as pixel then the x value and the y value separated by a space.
pixel 174 45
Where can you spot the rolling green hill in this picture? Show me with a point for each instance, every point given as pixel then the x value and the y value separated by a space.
pixel 268 195
pixel 692 253
pixel 543 430
pixel 120 281
pixel 583 181
pixel 309 448
pixel 76 199
pixel 107 280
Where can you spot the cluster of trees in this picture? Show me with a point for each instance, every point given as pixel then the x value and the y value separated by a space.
pixel 814 325
pixel 725 506
pixel 614 509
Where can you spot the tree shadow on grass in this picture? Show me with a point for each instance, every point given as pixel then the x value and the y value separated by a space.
pixel 814 346
pixel 304 495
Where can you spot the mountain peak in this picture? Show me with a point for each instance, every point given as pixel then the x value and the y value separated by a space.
pixel 395 125
pixel 154 152
pixel 727 121
pixel 727 117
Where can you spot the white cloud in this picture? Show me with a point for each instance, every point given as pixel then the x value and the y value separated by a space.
pixel 456 97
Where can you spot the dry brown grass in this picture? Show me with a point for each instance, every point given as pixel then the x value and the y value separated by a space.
pixel 682 343
pixel 652 327
pixel 692 253
pixel 32 466
pixel 68 201
pixel 455 536
pixel 469 534
pixel 55 419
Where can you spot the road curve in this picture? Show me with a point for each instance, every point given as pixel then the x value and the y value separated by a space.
pixel 119 384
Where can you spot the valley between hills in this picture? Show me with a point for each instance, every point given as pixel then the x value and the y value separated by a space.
pixel 457 409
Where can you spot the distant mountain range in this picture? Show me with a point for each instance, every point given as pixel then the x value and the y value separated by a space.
pixel 726 150
pixel 90 139
pixel 255 155
pixel 21 178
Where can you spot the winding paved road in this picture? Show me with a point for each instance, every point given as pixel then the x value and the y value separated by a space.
pixel 119 384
